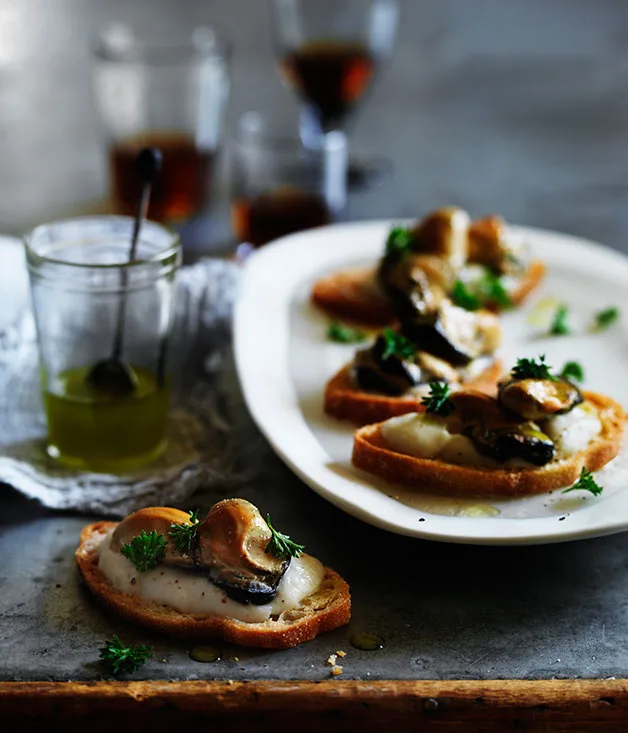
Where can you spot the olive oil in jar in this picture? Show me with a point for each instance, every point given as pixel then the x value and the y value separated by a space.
pixel 106 434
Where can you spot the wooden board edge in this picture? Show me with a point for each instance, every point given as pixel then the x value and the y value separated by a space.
pixel 335 706
pixel 310 696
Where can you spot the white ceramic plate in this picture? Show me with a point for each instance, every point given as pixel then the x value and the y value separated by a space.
pixel 284 360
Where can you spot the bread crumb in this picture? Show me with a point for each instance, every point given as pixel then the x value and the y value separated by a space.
pixel 331 660
pixel 336 670
pixel 341 653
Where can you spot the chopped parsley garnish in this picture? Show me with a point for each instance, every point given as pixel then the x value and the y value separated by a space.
pixel 606 318
pixel 438 402
pixel 399 242
pixel 586 482
pixel 573 370
pixel 145 550
pixel 119 658
pixel 280 545
pixel 491 290
pixel 463 297
pixel 533 369
pixel 184 535
pixel 344 334
pixel 559 325
pixel 487 290
pixel 396 344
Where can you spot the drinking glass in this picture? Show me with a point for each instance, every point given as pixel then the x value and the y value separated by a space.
pixel 169 93
pixel 79 273
pixel 280 186
pixel 329 53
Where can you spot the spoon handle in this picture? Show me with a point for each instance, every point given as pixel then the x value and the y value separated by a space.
pixel 142 211
pixel 148 165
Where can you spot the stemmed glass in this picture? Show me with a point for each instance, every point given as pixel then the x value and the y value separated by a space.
pixel 329 52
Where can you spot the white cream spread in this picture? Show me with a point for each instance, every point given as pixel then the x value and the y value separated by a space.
pixel 424 389
pixel 417 434
pixel 420 390
pixel 466 374
pixel 424 436
pixel 574 431
pixel 191 592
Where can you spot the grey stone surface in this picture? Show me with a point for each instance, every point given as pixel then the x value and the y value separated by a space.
pixel 445 611
pixel 499 106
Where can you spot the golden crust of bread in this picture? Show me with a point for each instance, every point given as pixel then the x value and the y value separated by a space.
pixel 530 281
pixel 372 453
pixel 328 608
pixel 344 401
pixel 352 295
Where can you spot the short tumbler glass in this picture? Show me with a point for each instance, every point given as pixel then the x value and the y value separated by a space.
pixel 81 278
pixel 281 187
pixel 166 91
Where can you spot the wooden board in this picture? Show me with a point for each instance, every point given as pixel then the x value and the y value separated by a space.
pixel 583 706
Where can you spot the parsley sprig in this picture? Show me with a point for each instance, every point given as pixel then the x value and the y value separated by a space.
pixel 606 318
pixel 463 297
pixel 438 402
pixel 399 242
pixel 487 290
pixel 573 371
pixel 533 369
pixel 342 334
pixel 492 290
pixel 396 344
pixel 586 482
pixel 145 550
pixel 559 326
pixel 184 535
pixel 280 545
pixel 119 658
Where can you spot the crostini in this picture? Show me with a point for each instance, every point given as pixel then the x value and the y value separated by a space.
pixel 392 375
pixel 477 264
pixel 537 435
pixel 230 575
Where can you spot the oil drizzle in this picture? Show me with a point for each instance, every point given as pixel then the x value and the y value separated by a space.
pixel 205 653
pixel 366 641
pixel 446 506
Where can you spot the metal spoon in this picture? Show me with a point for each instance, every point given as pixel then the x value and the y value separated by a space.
pixel 113 377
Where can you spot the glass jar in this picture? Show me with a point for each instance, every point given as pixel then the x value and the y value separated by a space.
pixel 86 296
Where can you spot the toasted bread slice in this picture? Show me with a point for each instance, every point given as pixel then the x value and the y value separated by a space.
pixel 344 401
pixel 328 608
pixel 529 282
pixel 372 453
pixel 353 295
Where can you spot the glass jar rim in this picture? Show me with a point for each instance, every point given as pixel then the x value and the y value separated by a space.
pixel 36 258
pixel 126 48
